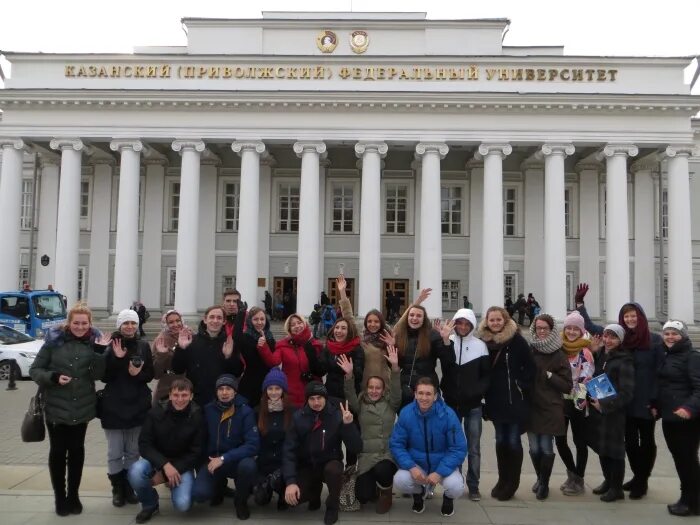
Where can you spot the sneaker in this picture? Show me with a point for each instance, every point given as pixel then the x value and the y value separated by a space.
pixel 418 503
pixel 474 495
pixel 448 506
pixel 331 516
pixel 146 514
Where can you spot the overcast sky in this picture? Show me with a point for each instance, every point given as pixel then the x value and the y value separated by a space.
pixel 589 27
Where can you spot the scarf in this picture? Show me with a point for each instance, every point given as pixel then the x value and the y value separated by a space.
pixel 224 406
pixel 275 406
pixel 302 337
pixel 344 347
pixel 255 335
pixel 572 348
pixel 638 338
pixel 549 345
pixel 373 339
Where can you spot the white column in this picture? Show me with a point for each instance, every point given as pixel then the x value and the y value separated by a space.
pixel 188 226
pixel 644 260
pixel 589 232
pixel 680 255
pixel 207 294
pixel 10 204
pixel 98 269
pixel 533 168
pixel 417 184
pixel 126 275
pixel 324 165
pixel 308 263
pixel 247 253
pixel 151 254
pixel 492 254
pixel 555 228
pixel 476 216
pixel 266 164
pixel 617 253
pixel 370 275
pixel 430 253
pixel 48 211
pixel 68 219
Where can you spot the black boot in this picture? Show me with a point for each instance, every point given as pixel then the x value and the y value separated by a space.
pixel 129 493
pixel 616 472
pixel 117 481
pixel 75 473
pixel 605 486
pixel 546 465
pixel 217 498
pixel 501 461
pixel 514 465
pixel 646 460
pixel 57 471
pixel 536 458
pixel 241 504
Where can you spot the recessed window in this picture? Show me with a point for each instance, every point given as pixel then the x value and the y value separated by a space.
pixel 451 211
pixel 288 207
pixel 396 208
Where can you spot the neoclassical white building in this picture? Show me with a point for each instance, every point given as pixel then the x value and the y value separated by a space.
pixel 272 154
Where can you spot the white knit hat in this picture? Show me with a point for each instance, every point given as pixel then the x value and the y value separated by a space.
pixel 127 315
pixel 678 326
pixel 617 330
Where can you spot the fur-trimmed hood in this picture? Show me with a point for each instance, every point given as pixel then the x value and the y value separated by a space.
pixel 505 335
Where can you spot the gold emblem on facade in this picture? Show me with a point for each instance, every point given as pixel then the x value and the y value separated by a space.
pixel 359 41
pixel 326 41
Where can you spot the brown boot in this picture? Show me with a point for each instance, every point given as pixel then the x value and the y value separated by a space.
pixel 384 500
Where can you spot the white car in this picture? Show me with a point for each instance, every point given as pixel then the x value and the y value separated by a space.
pixel 18 347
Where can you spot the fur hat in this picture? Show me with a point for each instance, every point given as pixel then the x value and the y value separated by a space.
pixel 575 319
pixel 227 380
pixel 616 329
pixel 127 315
pixel 275 377
pixel 678 326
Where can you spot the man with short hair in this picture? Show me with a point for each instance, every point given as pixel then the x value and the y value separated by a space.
pixel 429 446
pixel 236 311
pixel 170 445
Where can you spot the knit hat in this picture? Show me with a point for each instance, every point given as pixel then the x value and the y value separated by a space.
pixel 127 315
pixel 227 380
pixel 616 329
pixel 575 319
pixel 275 377
pixel 678 326
pixel 315 388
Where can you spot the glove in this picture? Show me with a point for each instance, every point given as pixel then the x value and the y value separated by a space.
pixel 581 291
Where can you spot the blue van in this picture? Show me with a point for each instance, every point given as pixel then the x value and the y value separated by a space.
pixel 32 312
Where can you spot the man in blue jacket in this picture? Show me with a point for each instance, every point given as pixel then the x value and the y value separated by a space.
pixel 429 446
pixel 232 444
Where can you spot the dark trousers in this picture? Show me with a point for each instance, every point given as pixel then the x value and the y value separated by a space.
pixel 613 471
pixel 683 440
pixel 577 418
pixel 243 472
pixel 640 446
pixel 310 480
pixel 66 447
pixel 381 474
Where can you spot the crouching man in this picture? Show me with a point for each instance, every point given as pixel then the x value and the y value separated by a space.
pixel 170 445
pixel 313 453
pixel 428 445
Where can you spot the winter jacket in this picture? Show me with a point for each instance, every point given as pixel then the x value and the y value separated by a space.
pixel 272 443
pixel 203 361
pixel 81 359
pixel 231 433
pixel 609 423
pixel 235 324
pixel 172 436
pixel 679 381
pixel 376 420
pixel 126 399
pixel 162 366
pixel 433 441
pixel 647 362
pixel 547 403
pixel 315 438
pixel 512 374
pixel 327 365
pixel 252 364
pixel 465 381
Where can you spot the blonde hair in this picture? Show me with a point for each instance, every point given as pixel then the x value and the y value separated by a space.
pixel 78 308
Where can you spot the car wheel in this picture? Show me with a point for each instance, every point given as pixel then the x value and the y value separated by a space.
pixel 5 367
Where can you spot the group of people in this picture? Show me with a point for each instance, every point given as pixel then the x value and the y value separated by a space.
pixel 286 416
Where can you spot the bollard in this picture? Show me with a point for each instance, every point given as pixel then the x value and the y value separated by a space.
pixel 11 383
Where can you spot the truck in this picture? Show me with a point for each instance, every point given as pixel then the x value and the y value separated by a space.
pixel 32 312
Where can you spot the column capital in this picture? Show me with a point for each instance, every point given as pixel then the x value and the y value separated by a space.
pixel 209 158
pixel 188 145
pixel 268 159
pixel 317 147
pixel 125 144
pixel 6 142
pixel 64 144
pixel 363 146
pixel 153 157
pixel 547 149
pixel 618 150
pixel 248 145
pixel 474 164
pixel 486 148
pixel 589 163
pixel 47 158
pixel 435 147
pixel 681 150
pixel 533 162
pixel 96 155
pixel 647 163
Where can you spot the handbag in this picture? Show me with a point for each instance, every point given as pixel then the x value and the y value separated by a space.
pixel 348 500
pixel 33 428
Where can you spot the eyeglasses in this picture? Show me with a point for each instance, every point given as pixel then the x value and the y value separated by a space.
pixel 543 329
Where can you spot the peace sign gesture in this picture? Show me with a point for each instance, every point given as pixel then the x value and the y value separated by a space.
pixel 347 415
pixel 392 355
pixel 345 364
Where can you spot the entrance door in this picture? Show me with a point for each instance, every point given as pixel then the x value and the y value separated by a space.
pixel 395 299
pixel 349 290
pixel 284 297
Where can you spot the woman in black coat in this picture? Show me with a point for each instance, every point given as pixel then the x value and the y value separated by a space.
pixel 679 405
pixel 508 395
pixel 256 334
pixel 342 340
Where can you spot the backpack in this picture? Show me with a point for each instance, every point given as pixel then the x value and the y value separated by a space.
pixel 328 313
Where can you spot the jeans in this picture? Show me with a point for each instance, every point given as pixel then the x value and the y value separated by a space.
pixel 140 474
pixel 472 430
pixel 244 473
pixel 541 443
pixel 453 484
pixel 508 434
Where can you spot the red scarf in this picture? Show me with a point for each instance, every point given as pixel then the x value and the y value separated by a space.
pixel 340 348
pixel 302 337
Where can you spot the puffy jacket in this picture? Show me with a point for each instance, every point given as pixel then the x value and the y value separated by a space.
pixel 315 438
pixel 434 440
pixel 547 416
pixel 335 377
pixel 172 436
pixel 679 381
pixel 81 359
pixel 231 433
pixel 272 443
pixel 647 362
pixel 253 366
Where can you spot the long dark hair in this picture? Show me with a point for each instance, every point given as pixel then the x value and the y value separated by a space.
pixel 264 416
pixel 401 333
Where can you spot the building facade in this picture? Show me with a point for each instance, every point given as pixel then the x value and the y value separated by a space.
pixel 274 154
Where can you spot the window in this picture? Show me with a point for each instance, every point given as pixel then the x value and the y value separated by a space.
pixel 396 208
pixel 170 298
pixel 451 212
pixel 510 202
pixel 567 213
pixel 342 204
pixel 603 199
pixel 27 204
pixel 227 281
pixel 230 206
pixel 82 290
pixel 85 202
pixel 288 207
pixel 664 214
pixel 173 205
pixel 450 295
pixel 23 276
pixel 510 284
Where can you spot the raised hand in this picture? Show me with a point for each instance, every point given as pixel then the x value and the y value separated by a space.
pixel 596 342
pixel 387 338
pixel 345 364
pixel 159 345
pixel 117 348
pixel 445 329
pixel 103 340
pixel 347 415
pixel 392 355
pixel 341 284
pixel 184 338
pixel 581 291
pixel 261 341
pixel 227 349
pixel 423 295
